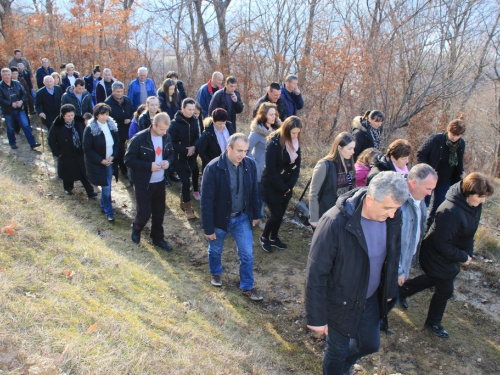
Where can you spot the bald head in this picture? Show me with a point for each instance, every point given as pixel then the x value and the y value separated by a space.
pixel 217 79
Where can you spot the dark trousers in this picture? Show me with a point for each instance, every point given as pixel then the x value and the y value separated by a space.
pixel 121 155
pixel 439 195
pixel 442 293
pixel 342 352
pixel 69 185
pixel 150 203
pixel 185 174
pixel 273 223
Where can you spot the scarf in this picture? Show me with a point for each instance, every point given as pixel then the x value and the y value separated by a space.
pixel 292 149
pixel 74 133
pixel 453 160
pixel 120 101
pixel 375 133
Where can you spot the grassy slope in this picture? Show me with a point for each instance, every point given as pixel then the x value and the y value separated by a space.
pixel 155 315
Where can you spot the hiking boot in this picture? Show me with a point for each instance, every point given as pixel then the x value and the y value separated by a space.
pixel 266 244
pixel 252 294
pixel 216 280
pixel 277 243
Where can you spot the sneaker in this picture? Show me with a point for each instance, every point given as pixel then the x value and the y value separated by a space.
pixel 197 195
pixel 277 243
pixel 110 218
pixel 35 145
pixel 216 280
pixel 438 330
pixel 266 244
pixel 252 294
pixel 68 192
pixel 92 195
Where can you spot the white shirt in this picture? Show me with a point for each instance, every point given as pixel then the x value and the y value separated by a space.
pixel 109 139
pixel 416 205
pixel 158 148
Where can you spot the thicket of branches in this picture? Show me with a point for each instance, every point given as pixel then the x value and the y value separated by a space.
pixel 420 62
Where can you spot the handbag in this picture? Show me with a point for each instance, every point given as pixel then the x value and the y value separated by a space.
pixel 301 212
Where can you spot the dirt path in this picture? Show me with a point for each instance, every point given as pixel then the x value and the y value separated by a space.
pixel 472 316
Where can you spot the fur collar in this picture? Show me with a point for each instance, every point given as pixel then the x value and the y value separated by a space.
pixel 358 123
pixel 95 129
pixel 260 129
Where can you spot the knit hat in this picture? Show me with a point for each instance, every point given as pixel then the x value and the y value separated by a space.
pixel 219 114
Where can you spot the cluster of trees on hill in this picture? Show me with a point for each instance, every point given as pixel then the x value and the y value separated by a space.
pixel 422 62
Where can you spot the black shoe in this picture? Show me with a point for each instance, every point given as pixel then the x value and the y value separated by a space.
pixel 403 302
pixel 68 192
pixel 14 147
pixel 266 244
pixel 136 236
pixel 163 245
pixel 175 177
pixel 438 330
pixel 35 145
pixel 277 243
pixel 92 195
pixel 110 218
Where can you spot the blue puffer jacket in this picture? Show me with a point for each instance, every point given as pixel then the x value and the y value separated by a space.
pixel 216 200
pixel 134 91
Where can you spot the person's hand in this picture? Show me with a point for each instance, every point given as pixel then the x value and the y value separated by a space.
pixel 155 167
pixel 297 91
pixel 287 192
pixel 313 224
pixel 191 150
pixel 462 176
pixel 321 329
pixel 19 103
pixel 127 121
pixel 255 222
pixel 469 259
pixel 401 280
pixel 42 115
pixel 110 159
pixel 164 164
pixel 106 162
pixel 234 98
pixel 211 237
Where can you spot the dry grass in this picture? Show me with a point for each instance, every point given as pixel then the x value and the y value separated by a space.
pixel 155 314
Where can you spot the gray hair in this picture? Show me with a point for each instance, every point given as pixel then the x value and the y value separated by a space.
pixel 142 69
pixel 217 74
pixel 107 70
pixel 5 70
pixel 20 65
pixel 47 78
pixel 232 139
pixel 420 172
pixel 117 85
pixel 388 184
pixel 291 77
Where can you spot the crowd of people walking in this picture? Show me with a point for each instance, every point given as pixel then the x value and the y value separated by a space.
pixel 368 207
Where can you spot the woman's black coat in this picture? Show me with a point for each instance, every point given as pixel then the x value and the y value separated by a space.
pixel 120 113
pixel 451 237
pixel 208 147
pixel 432 151
pixel 94 148
pixel 279 175
pixel 71 165
pixel 381 163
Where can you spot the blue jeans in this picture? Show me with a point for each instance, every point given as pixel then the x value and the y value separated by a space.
pixel 439 196
pixel 241 230
pixel 106 193
pixel 342 352
pixel 20 116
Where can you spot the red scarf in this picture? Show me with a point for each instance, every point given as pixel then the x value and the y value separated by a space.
pixel 210 88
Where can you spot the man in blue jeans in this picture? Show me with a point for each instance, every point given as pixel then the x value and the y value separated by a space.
pixel 12 97
pixel 352 270
pixel 230 204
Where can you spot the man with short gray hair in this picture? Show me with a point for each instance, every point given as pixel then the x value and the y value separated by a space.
pixel 352 270
pixel 291 95
pixel 105 86
pixel 141 88
pixel 233 208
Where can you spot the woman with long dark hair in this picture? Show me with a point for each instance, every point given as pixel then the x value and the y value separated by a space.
pixel 169 97
pixel 279 177
pixel 332 176
pixel 367 131
pixel 449 242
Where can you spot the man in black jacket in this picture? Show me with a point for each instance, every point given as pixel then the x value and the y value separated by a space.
pixel 48 101
pixel 273 95
pixel 148 156
pixel 12 97
pixel 230 203
pixel 228 98
pixel 79 97
pixel 352 270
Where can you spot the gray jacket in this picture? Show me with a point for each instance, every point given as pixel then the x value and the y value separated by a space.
pixel 409 242
pixel 257 146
